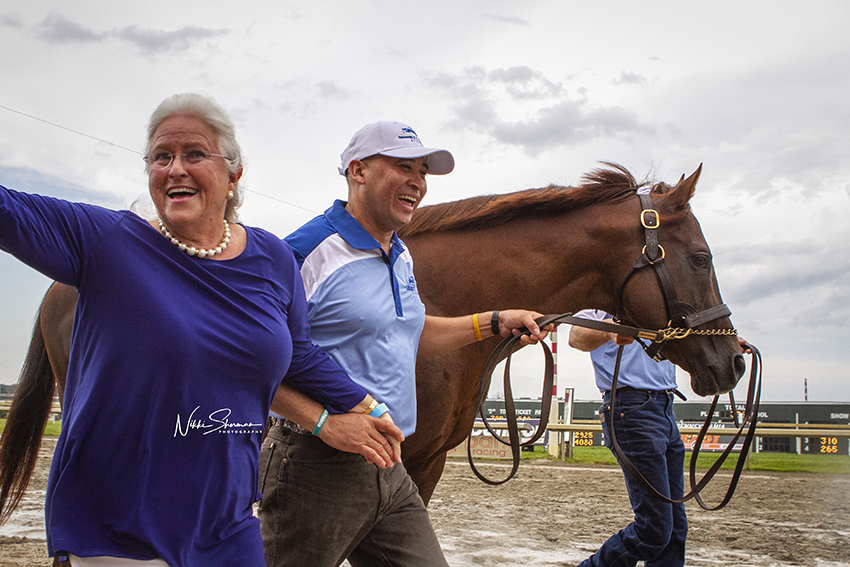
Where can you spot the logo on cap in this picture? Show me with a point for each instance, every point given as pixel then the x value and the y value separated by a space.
pixel 410 135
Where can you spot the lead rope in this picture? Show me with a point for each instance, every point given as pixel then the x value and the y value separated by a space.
pixel 504 351
pixel 508 346
pixel 750 416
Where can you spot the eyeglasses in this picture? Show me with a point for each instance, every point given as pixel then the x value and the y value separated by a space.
pixel 161 160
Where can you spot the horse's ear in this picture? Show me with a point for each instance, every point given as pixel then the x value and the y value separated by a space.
pixel 684 189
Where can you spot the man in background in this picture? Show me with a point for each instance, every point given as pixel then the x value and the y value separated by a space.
pixel 648 435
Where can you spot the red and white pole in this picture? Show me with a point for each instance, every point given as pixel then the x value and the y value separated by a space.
pixel 554 444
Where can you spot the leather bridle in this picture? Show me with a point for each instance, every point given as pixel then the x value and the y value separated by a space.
pixel 683 318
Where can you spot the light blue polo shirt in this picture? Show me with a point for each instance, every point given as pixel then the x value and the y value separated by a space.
pixel 637 369
pixel 363 307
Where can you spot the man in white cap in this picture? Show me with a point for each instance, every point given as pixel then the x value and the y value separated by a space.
pixel 321 506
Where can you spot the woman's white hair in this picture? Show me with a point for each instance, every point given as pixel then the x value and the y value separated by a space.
pixel 208 110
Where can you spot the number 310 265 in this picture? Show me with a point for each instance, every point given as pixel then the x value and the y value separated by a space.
pixel 828 444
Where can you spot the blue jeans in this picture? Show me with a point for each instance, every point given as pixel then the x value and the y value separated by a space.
pixel 647 433
pixel 321 505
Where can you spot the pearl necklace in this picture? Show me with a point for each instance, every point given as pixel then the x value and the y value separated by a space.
pixel 191 250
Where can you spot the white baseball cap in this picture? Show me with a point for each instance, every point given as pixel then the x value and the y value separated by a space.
pixel 394 139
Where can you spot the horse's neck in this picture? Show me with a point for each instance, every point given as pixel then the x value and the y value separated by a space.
pixel 553 265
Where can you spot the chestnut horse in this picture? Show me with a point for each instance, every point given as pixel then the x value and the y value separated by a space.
pixel 553 250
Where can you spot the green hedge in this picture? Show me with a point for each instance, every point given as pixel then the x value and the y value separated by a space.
pixel 780 462
pixel 51 429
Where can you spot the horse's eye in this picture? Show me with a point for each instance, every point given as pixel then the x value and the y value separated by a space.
pixel 701 261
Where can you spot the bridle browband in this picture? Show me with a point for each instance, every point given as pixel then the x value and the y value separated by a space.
pixel 683 318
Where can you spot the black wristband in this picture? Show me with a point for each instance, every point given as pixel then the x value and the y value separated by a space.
pixel 494 323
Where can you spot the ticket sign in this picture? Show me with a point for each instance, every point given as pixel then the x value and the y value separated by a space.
pixel 711 443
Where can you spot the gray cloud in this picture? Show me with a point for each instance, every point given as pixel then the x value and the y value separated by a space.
pixel 524 82
pixel 34 181
pixel 329 89
pixel 11 20
pixel 773 163
pixel 812 277
pixel 782 126
pixel 628 78
pixel 158 41
pixel 569 122
pixel 293 13
pixel 58 29
pixel 506 19
pixel 483 98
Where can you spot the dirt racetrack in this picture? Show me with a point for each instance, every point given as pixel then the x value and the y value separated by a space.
pixel 555 515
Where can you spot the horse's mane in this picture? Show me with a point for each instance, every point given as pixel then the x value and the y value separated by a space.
pixel 609 184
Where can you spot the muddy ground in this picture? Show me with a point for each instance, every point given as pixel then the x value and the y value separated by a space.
pixel 555 515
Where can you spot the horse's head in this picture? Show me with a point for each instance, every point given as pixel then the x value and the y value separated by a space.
pixel 714 361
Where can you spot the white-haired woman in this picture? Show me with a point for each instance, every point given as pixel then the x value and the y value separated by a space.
pixel 185 328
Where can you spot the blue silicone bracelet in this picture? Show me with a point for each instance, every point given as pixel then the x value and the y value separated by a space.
pixel 379 410
pixel 320 423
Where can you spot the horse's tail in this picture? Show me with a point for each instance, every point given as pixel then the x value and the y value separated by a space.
pixel 21 440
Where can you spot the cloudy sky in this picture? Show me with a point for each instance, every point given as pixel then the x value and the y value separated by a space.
pixel 523 93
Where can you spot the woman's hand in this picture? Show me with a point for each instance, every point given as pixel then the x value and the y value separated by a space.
pixel 377 439
pixel 395 442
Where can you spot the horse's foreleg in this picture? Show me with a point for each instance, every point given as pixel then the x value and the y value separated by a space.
pixel 427 475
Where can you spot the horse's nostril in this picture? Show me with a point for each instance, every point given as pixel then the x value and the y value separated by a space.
pixel 740 365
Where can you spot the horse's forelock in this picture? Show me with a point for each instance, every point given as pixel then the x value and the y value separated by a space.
pixel 609 184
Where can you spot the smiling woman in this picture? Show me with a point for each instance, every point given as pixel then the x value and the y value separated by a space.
pixel 201 334
pixel 214 121
pixel 193 186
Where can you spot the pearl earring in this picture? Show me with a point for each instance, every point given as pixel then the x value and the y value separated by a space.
pixel 229 195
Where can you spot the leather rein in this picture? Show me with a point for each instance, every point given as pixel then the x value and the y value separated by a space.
pixel 683 318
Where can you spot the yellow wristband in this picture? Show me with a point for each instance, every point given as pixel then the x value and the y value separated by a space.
pixel 475 327
pixel 372 406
